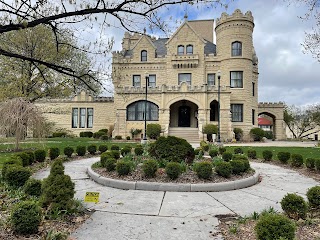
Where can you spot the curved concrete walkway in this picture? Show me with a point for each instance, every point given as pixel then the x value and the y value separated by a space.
pixel 135 214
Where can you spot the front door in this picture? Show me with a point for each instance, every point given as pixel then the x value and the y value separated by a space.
pixel 184 116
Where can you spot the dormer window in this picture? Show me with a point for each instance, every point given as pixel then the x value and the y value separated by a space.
pixel 144 56
pixel 236 49
pixel 189 49
pixel 180 50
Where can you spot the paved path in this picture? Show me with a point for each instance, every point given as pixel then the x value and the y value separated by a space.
pixel 134 214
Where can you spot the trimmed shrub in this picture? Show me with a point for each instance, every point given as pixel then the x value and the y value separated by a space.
pixel 31 156
pixel 68 151
pixel 239 157
pixel 150 168
pixel 172 149
pixel 110 164
pixel 104 130
pixel 54 153
pixel 313 195
pixel 257 134
pixel 33 187
pixel 57 189
pixel 26 217
pixel 223 169
pixel 104 137
pixel 267 155
pixel 310 163
pixel 204 169
pixel 115 154
pixel 128 137
pixel 213 153
pixel 226 156
pixel 153 130
pixel 126 150
pixel 275 226
pixel 25 158
pixel 92 149
pixel 173 170
pixel 268 134
pixel 115 147
pixel 238 151
pixel 123 167
pixel 14 161
pixel 138 150
pixel 283 156
pixel 59 134
pixel 296 160
pixel 40 155
pixel 238 166
pixel 81 150
pixel 222 150
pixel 252 154
pixel 97 135
pixel 294 206
pixel 204 146
pixel 317 164
pixel 197 151
pixel 118 137
pixel 17 176
pixel 210 129
pixel 103 148
pixel 238 134
pixel 104 156
pixel 87 134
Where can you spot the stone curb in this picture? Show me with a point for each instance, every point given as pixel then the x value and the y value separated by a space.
pixel 174 187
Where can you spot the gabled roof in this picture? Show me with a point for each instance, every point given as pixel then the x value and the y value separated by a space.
pixel 148 39
pixel 264 122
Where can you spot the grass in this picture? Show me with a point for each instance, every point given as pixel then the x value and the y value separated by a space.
pixel 7 145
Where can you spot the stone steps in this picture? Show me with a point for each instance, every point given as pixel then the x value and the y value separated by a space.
pixel 190 134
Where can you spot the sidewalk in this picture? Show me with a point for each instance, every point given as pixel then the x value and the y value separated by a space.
pixel 134 214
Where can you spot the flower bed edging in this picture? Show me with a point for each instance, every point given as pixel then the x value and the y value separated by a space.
pixel 174 187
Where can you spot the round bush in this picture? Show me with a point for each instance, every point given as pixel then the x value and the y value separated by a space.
pixel 222 150
pixel 213 153
pixel 283 156
pixel 104 130
pixel 104 156
pixel 150 168
pixel 115 154
pixel 103 148
pixel 31 156
pixel 238 166
pixel 267 155
pixel 239 157
pixel 17 176
pixel 110 164
pixel 14 161
pixel 317 164
pixel 226 156
pixel 26 217
pixel 310 163
pixel 223 169
pixel 172 149
pixel 173 170
pixel 296 160
pixel 115 147
pixel 257 134
pixel 118 137
pixel 123 167
pixel 92 149
pixel 153 130
pixel 313 195
pixel 25 158
pixel 252 154
pixel 81 150
pixel 104 137
pixel 128 137
pixel 86 134
pixel 238 133
pixel 138 150
pixel 294 206
pixel 126 150
pixel 204 170
pixel 54 153
pixel 33 187
pixel 97 135
pixel 274 226
pixel 68 151
pixel 238 151
pixel 204 146
pixel 40 155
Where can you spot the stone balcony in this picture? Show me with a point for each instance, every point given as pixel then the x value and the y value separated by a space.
pixel 185 61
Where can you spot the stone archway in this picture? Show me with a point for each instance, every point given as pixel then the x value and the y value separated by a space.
pixel 184 113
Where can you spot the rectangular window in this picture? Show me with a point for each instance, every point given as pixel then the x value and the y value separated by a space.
pixel 136 81
pixel 152 81
pixel 184 77
pixel 75 117
pixel 236 79
pixel 89 117
pixel 211 79
pixel 253 116
pixel 237 112
pixel 82 122
pixel 253 89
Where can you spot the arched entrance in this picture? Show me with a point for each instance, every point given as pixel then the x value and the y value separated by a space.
pixel 214 111
pixel 267 122
pixel 184 114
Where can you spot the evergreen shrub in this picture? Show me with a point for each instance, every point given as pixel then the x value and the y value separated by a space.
pixel 115 147
pixel 238 166
pixel 238 150
pixel 33 187
pixel 150 168
pixel 54 153
pixel 16 176
pixel 204 170
pixel 283 156
pixel 87 134
pixel 294 206
pixel 103 148
pixel 110 164
pixel 173 170
pixel 125 150
pixel 40 155
pixel 296 160
pixel 153 130
pixel 252 154
pixel 81 150
pixel 222 150
pixel 14 161
pixel 223 169
pixel 317 164
pixel 226 156
pixel 68 151
pixel 213 153
pixel 92 149
pixel 257 134
pixel 138 150
pixel 104 156
pixel 25 158
pixel 313 195
pixel 123 167
pixel 310 163
pixel 267 155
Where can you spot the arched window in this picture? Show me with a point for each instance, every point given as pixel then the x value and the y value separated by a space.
pixel 135 111
pixel 144 56
pixel 236 49
pixel 189 49
pixel 180 50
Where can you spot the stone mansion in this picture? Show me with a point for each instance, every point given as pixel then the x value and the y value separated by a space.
pixel 181 77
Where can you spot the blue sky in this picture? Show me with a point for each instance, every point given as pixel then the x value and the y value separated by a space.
pixel 286 73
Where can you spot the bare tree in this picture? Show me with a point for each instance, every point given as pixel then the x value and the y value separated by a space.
pixel 132 15
pixel 18 114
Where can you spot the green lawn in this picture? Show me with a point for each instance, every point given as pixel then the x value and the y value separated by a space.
pixel 7 145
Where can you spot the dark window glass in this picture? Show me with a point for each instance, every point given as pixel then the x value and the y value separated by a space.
pixel 184 77
pixel 144 56
pixel 152 81
pixel 237 112
pixel 189 49
pixel 253 116
pixel 75 117
pixel 136 80
pixel 211 79
pixel 253 89
pixel 236 49
pixel 135 111
pixel 82 122
pixel 180 50
pixel 236 79
pixel 90 117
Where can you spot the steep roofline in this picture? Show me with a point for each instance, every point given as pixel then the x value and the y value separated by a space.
pixel 148 38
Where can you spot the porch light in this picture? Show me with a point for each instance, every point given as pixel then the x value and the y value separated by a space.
pixel 145 107
pixel 219 76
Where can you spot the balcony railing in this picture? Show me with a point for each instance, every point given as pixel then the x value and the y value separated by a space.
pixel 185 61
